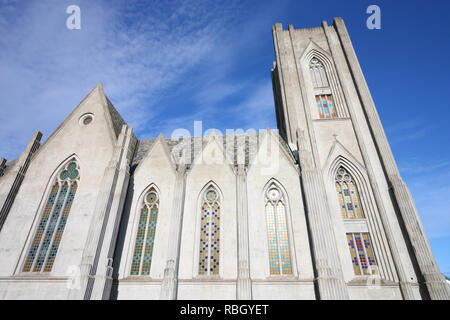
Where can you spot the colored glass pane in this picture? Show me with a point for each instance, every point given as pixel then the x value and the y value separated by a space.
pixel 361 252
pixel 145 235
pixel 44 247
pixel 348 197
pixel 277 233
pixel 209 252
pixel 353 255
pixel 325 106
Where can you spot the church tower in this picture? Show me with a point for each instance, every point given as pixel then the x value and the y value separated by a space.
pixel 363 224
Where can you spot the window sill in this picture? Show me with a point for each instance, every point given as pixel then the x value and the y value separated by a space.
pixel 331 119
pixel 374 280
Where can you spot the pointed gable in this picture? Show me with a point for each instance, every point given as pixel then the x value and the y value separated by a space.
pixel 151 151
pixel 97 103
pixel 272 154
pixel 213 152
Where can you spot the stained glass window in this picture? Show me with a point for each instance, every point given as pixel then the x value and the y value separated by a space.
pixel 209 232
pixel 361 252
pixel 348 195
pixel 277 232
pixel 325 106
pixel 47 238
pixel 145 237
pixel 318 74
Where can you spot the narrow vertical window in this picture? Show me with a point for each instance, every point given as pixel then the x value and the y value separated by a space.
pixel 145 237
pixel 209 232
pixel 363 259
pixel 322 90
pixel 277 232
pixel 348 195
pixel 47 238
pixel 358 240
pixel 318 74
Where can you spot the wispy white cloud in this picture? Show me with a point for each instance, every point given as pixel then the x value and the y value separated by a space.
pixel 428 182
pixel 257 110
pixel 140 52
pixel 415 167
pixel 411 129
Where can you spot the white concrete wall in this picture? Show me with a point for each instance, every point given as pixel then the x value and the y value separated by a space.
pixel 286 174
pixel 93 146
pixel 36 289
pixel 206 290
pixel 157 170
pixel 283 290
pixel 210 165
pixel 138 290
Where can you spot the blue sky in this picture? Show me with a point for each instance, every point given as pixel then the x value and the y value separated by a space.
pixel 164 64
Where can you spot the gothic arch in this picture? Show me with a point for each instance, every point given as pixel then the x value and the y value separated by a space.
pixel 314 51
pixel 279 185
pixel 209 183
pixel 137 213
pixel 360 177
pixel 208 253
pixel 284 199
pixel 386 268
pixel 149 154
pixel 355 169
pixel 51 217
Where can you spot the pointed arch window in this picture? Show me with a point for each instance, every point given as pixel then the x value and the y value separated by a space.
pixel 324 100
pixel 209 254
pixel 348 195
pixel 277 232
pixel 145 237
pixel 318 74
pixel 359 243
pixel 47 238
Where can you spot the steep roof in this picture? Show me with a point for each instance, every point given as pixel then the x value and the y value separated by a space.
pixel 8 166
pixel 116 118
pixel 178 145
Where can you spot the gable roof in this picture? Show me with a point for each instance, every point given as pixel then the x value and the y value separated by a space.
pixel 116 118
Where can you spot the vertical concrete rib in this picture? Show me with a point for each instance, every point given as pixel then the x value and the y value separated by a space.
pixel 434 280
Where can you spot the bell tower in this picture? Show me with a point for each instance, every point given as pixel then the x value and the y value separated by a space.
pixel 353 191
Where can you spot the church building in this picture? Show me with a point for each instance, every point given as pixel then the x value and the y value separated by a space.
pixel 314 210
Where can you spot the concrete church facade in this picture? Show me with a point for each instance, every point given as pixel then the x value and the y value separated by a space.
pixel 317 210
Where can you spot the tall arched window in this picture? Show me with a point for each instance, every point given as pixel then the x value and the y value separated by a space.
pixel 277 231
pixel 359 243
pixel 324 99
pixel 318 74
pixel 209 232
pixel 47 238
pixel 145 237
pixel 348 195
